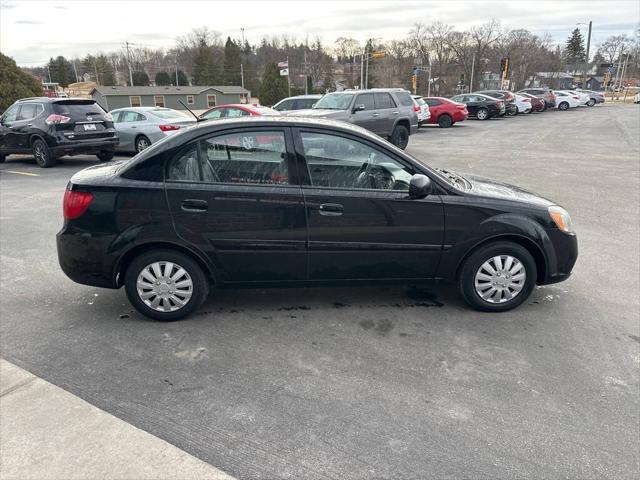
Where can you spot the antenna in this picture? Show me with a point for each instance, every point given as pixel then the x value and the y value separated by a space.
pixel 198 119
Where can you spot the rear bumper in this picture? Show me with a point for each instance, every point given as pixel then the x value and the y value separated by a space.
pixel 72 147
pixel 459 116
pixel 83 259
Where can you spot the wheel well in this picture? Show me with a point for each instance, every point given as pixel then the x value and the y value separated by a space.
pixel 35 137
pixel 405 124
pixel 530 246
pixel 139 136
pixel 128 257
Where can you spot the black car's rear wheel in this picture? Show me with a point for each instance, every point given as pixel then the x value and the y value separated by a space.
pixel 482 114
pixel 105 155
pixel 142 143
pixel 445 121
pixel 497 277
pixel 42 154
pixel 165 285
pixel 400 136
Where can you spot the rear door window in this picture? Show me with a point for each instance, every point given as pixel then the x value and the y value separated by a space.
pixel 285 105
pixel 434 103
pixel 27 111
pixel 304 103
pixel 366 99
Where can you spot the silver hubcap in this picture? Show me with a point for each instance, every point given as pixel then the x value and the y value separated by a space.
pixel 164 286
pixel 482 114
pixel 39 153
pixel 142 144
pixel 500 279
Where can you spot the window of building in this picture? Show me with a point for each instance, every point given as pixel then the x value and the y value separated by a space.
pixel 190 100
pixel 211 101
pixel 158 101
pixel 135 101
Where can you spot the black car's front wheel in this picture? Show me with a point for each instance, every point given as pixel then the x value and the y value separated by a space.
pixel 497 277
pixel 482 114
pixel 105 156
pixel 400 137
pixel 165 285
pixel 42 154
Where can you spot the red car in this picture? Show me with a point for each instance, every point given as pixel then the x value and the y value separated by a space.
pixel 446 112
pixel 237 110
pixel 537 103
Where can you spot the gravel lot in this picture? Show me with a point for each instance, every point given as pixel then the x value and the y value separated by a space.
pixel 369 382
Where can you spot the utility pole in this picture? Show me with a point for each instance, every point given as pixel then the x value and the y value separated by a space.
pixel 366 75
pixel 95 69
pixel 177 81
pixel 129 64
pixel 75 70
pixel 624 72
pixel 586 60
pixel 429 84
pixel 362 69
pixel 306 88
pixel 242 31
pixel 288 76
pixel 241 75
pixel 473 66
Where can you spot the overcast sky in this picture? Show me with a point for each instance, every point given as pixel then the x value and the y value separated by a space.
pixel 32 31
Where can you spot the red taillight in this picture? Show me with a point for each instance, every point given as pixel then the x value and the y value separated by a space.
pixel 168 128
pixel 416 108
pixel 54 119
pixel 498 102
pixel 75 203
pixel 576 98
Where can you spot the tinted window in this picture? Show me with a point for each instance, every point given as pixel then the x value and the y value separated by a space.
pixel 339 162
pixel 185 167
pixel 460 98
pixel 254 157
pixel 405 99
pixel 115 116
pixel 27 111
pixel 128 116
pixel 384 100
pixel 78 109
pixel 11 114
pixel 434 103
pixel 366 99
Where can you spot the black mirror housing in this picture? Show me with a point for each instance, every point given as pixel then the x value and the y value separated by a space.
pixel 419 186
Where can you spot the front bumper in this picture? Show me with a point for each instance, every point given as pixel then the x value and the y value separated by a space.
pixel 561 256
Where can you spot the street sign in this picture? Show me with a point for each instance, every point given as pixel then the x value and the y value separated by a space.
pixel 379 54
pixel 284 72
pixel 610 69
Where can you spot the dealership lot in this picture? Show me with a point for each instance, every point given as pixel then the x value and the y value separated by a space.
pixel 369 382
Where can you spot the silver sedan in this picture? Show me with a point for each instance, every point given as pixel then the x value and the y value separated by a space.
pixel 139 127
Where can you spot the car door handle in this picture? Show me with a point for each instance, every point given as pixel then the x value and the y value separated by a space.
pixel 375 114
pixel 194 205
pixel 396 113
pixel 331 209
pixel 133 126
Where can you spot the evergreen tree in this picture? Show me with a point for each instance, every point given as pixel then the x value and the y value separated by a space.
pixel 140 79
pixel 183 81
pixel 574 51
pixel 15 84
pixel 273 87
pixel 327 74
pixel 205 70
pixel 105 70
pixel 61 71
pixel 163 79
pixel 232 62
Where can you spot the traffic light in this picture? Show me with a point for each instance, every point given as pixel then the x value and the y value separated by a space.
pixel 503 64
pixel 414 83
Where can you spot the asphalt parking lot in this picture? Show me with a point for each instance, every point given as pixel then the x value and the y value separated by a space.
pixel 369 382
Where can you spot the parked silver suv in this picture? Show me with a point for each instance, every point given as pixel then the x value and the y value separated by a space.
pixel 388 112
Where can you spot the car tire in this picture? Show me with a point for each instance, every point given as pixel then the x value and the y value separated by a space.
pixel 445 121
pixel 142 143
pixel 42 154
pixel 516 279
pixel 563 106
pixel 591 102
pixel 105 156
pixel 143 291
pixel 482 114
pixel 400 137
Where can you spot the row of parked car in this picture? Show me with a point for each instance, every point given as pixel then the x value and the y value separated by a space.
pixel 53 127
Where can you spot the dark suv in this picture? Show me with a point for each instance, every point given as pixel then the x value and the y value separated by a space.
pixel 281 201
pixel 388 112
pixel 52 127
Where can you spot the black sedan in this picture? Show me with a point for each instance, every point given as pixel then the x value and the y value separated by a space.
pixel 506 96
pixel 301 202
pixel 481 106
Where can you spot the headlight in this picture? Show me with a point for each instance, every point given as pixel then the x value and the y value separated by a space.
pixel 561 218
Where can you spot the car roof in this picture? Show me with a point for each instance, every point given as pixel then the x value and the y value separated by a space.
pixel 314 95
pixel 53 99
pixel 141 109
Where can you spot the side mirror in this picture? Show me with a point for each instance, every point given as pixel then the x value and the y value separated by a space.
pixel 359 108
pixel 419 186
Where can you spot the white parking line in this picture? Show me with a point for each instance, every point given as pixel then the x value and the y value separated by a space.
pixel 23 173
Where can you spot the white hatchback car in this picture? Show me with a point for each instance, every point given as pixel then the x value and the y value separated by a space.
pixel 566 100
pixel 424 114
pixel 523 104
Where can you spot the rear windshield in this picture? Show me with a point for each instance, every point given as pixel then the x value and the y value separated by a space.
pixel 334 101
pixel 419 100
pixel 167 113
pixel 77 109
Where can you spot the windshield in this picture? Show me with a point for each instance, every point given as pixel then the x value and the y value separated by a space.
pixel 334 101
